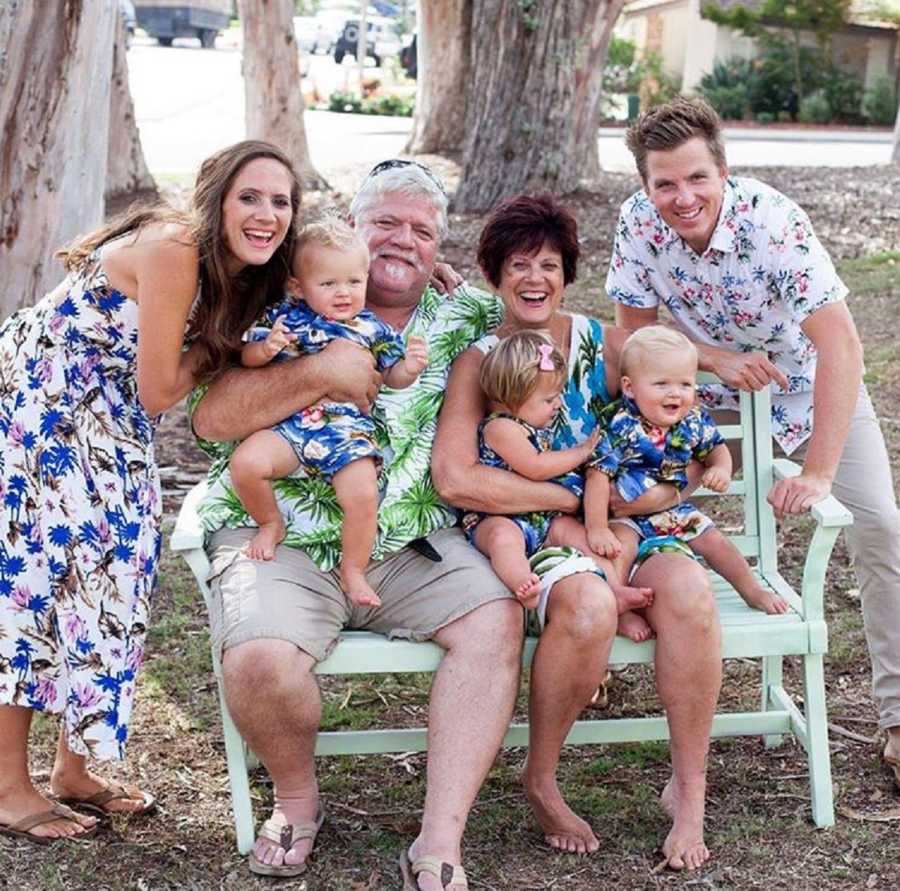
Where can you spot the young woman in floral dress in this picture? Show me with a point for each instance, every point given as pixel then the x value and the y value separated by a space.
pixel 153 303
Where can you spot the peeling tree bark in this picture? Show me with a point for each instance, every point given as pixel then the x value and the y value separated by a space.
pixel 55 76
pixel 444 58
pixel 126 166
pixel 274 101
pixel 534 91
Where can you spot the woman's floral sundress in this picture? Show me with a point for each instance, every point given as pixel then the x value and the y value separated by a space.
pixel 79 511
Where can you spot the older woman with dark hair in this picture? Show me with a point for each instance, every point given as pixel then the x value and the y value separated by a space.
pixel 528 252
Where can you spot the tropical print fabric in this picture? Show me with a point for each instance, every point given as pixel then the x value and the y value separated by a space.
pixel 637 455
pixel 80 519
pixel 330 435
pixel 534 525
pixel 410 507
pixel 763 274
pixel 586 402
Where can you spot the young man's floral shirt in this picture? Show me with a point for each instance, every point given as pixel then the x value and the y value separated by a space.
pixel 763 273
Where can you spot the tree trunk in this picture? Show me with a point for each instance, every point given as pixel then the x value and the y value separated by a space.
pixel 54 116
pixel 126 168
pixel 274 101
pixel 895 155
pixel 521 123
pixel 444 57
pixel 589 83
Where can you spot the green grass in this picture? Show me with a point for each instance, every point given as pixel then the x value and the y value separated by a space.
pixel 876 274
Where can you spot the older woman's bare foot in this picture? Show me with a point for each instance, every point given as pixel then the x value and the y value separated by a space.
pixel 632 626
pixel 563 829
pixel 684 847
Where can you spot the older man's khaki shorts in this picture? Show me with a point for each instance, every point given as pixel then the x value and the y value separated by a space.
pixel 290 598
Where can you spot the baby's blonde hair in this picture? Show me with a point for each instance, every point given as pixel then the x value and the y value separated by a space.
pixel 511 371
pixel 651 339
pixel 329 232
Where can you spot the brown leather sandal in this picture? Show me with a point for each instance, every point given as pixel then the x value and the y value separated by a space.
pixel 96 803
pixel 22 828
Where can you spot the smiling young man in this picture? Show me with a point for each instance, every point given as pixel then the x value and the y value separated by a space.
pixel 738 266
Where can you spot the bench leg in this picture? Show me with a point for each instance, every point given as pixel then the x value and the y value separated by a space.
pixel 771 677
pixel 238 780
pixel 819 756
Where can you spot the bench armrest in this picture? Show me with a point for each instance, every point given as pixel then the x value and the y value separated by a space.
pixel 188 533
pixel 830 516
pixel 828 512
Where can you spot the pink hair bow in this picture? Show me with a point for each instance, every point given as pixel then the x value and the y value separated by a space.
pixel 546 363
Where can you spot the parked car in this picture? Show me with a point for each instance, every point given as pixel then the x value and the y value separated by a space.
pixel 314 35
pixel 167 19
pixel 381 39
pixel 126 8
pixel 409 59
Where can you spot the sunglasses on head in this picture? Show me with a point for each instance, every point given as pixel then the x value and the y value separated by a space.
pixel 394 163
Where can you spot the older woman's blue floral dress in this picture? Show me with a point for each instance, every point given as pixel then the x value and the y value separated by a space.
pixel 80 517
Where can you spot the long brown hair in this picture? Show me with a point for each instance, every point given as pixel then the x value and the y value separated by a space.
pixel 228 304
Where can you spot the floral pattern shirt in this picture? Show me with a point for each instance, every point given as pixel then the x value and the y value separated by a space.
pixel 762 275
pixel 410 507
pixel 637 454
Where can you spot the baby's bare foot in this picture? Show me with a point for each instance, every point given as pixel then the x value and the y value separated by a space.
pixel 262 545
pixel 632 626
pixel 529 592
pixel 766 601
pixel 628 597
pixel 357 589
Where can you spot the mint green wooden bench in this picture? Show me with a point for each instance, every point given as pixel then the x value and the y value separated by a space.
pixel 746 634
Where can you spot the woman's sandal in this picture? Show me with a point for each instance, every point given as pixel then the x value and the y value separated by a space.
pixel 96 803
pixel 286 835
pixel 22 828
pixel 446 873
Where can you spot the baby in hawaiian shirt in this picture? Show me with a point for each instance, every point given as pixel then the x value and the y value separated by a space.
pixel 333 440
pixel 651 439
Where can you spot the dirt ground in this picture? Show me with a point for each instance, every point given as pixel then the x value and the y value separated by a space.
pixel 758 823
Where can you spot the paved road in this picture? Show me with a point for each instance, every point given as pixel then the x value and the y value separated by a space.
pixel 190 102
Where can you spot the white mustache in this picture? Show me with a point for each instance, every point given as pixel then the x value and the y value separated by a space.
pixel 394 254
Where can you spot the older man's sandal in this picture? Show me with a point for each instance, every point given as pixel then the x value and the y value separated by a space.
pixel 446 873
pixel 286 835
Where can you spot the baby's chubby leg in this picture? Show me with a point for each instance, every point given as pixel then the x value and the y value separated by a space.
pixel 631 624
pixel 727 560
pixel 259 459
pixel 356 488
pixel 503 543
pixel 569 531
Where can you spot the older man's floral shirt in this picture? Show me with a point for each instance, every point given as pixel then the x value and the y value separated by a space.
pixel 410 507
pixel 762 275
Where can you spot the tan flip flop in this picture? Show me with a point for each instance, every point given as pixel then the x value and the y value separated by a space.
pixel 446 873
pixel 96 803
pixel 22 828
pixel 286 835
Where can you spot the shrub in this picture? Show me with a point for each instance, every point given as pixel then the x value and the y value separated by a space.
pixel 656 87
pixel 344 102
pixel 880 103
pixel 814 108
pixel 350 103
pixel 844 93
pixel 727 88
pixel 765 117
